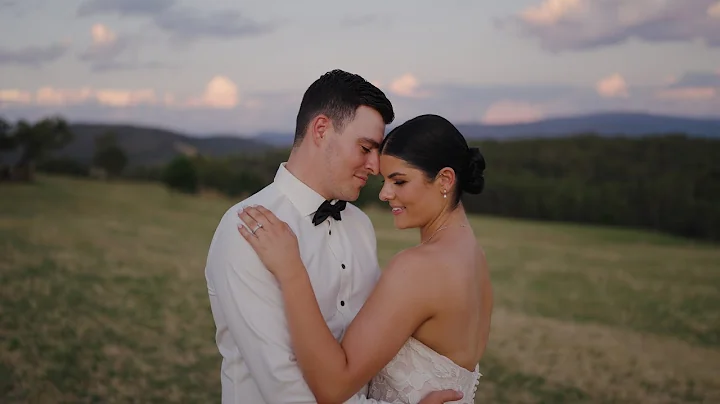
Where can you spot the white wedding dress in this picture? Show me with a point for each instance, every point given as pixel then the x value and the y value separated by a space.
pixel 416 371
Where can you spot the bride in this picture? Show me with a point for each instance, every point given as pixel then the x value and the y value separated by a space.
pixel 427 322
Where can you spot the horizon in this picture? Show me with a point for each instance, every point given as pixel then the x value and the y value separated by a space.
pixel 224 68
pixel 290 131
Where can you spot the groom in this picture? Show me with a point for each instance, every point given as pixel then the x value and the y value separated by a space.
pixel 340 125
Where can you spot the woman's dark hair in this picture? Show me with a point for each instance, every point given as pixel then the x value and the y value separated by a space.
pixel 431 143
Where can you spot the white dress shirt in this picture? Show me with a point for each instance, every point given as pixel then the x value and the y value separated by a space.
pixel 252 335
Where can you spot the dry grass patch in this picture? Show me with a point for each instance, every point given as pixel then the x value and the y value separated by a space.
pixel 604 363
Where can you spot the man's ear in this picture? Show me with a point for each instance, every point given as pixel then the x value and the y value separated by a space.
pixel 446 179
pixel 319 127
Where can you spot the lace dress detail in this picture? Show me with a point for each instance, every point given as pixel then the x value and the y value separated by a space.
pixel 416 371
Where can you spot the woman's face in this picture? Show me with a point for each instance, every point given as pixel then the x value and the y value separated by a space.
pixel 413 199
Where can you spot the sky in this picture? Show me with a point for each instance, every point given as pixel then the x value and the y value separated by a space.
pixel 241 67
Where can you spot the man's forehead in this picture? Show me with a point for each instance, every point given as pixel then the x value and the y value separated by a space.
pixel 370 141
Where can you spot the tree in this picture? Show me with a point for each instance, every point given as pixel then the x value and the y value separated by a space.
pixel 109 155
pixel 181 174
pixel 7 141
pixel 35 140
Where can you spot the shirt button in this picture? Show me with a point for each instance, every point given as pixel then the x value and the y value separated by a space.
pixel 343 266
pixel 342 302
pixel 330 232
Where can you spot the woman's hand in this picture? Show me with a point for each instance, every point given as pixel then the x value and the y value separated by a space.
pixel 273 241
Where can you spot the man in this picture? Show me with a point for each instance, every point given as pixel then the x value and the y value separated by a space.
pixel 340 125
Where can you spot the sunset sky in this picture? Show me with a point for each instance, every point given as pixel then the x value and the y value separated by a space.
pixel 222 66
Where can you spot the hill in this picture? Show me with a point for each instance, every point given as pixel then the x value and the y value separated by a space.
pixel 606 124
pixel 629 124
pixel 150 146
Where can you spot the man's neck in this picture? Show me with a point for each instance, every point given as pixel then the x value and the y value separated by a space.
pixel 301 165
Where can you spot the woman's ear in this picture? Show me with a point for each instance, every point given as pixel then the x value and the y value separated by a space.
pixel 446 179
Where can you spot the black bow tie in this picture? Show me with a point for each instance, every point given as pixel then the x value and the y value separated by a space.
pixel 328 209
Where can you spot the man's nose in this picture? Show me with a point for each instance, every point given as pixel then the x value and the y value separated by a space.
pixel 373 163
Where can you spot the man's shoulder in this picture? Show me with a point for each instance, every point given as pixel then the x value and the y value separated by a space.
pixel 226 238
pixel 229 220
pixel 267 196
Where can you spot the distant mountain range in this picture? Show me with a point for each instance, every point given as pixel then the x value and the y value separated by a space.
pixel 149 146
pixel 628 124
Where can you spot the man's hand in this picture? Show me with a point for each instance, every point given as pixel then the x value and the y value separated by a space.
pixel 441 397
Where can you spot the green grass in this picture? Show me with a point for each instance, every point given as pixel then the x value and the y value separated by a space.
pixel 103 299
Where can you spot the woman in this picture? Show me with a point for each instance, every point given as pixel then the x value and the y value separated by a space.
pixel 426 324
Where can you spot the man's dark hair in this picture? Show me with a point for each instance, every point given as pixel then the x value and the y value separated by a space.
pixel 338 94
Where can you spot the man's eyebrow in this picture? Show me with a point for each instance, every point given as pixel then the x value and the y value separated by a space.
pixel 374 144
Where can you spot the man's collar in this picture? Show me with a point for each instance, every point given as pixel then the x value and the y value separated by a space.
pixel 304 198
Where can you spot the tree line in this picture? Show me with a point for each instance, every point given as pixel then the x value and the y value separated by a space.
pixel 670 183
pixel 29 146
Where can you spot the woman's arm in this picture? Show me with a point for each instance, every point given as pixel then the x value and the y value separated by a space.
pixel 397 306
pixel 392 313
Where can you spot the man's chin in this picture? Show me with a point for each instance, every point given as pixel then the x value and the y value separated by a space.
pixel 350 196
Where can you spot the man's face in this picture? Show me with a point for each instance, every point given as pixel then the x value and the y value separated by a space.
pixel 352 156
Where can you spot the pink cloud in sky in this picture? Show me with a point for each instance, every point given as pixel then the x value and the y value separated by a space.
pixel 507 112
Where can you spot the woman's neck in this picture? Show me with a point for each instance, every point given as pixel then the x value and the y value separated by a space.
pixel 447 219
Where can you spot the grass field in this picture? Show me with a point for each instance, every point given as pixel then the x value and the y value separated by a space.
pixel 103 299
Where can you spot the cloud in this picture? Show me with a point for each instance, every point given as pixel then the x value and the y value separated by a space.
pixel 612 86
pixel 407 85
pixel 698 79
pixel 50 96
pixel 124 7
pixel 507 112
pixel 573 25
pixel 102 35
pixel 220 92
pixel 107 48
pixel 187 24
pixel 55 96
pixel 713 10
pixel 688 93
pixel 183 24
pixel 33 56
pixel 692 86
pixel 124 98
pixel 550 11
pixel 15 97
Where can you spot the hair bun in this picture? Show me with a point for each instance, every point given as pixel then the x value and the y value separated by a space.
pixel 474 174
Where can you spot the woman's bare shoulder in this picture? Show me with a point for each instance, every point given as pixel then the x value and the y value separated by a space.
pixel 417 266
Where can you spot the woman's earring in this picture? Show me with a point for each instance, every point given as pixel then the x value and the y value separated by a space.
pixel 444 193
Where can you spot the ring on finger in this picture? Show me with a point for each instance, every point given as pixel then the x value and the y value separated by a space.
pixel 257 227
